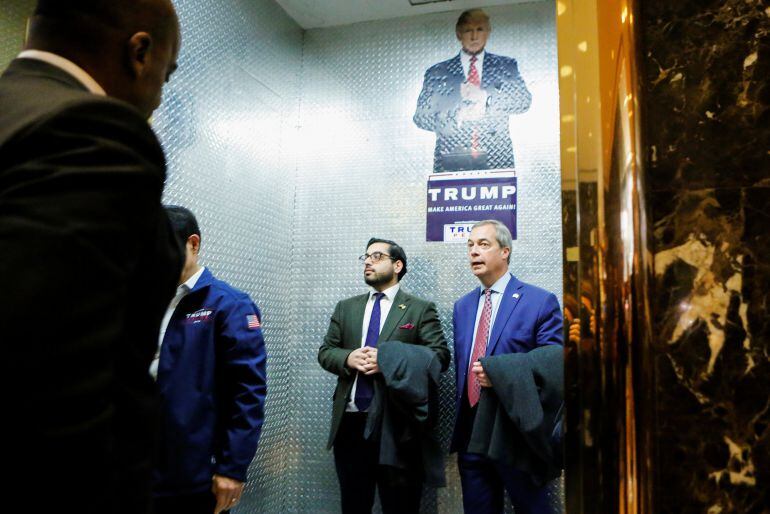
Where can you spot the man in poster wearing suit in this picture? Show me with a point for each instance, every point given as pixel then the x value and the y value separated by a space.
pixel 88 261
pixel 467 100
pixel 349 351
pixel 503 316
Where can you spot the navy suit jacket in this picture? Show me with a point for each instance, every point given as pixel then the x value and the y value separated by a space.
pixel 528 317
pixel 439 104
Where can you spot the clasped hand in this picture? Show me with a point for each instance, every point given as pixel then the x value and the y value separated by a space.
pixel 478 370
pixel 364 360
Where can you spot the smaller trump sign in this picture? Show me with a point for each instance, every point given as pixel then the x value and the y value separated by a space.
pixel 458 200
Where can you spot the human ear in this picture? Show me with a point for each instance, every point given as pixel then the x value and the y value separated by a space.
pixel 194 241
pixel 139 48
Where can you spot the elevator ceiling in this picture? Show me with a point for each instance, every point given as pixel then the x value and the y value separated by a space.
pixel 329 13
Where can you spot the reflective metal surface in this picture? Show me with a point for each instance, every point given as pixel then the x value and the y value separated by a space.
pixel 13 15
pixel 294 152
pixel 609 371
pixel 226 124
pixel 362 172
pixel 293 148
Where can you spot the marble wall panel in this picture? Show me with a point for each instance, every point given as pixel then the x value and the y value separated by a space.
pixel 707 64
pixel 712 366
pixel 706 118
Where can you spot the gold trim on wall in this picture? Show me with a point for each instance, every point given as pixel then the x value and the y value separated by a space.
pixel 609 372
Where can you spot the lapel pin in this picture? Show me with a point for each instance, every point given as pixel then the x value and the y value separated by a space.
pixel 516 295
pixel 402 306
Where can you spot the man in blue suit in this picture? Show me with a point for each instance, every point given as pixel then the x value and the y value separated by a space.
pixel 210 368
pixel 503 316
pixel 467 100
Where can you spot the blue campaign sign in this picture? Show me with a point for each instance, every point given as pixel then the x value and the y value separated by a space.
pixel 458 200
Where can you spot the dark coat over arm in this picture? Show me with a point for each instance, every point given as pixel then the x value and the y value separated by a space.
pixel 404 412
pixel 519 416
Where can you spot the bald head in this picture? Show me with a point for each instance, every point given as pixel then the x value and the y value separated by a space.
pixel 129 46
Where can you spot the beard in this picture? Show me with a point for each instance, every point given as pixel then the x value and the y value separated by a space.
pixel 378 278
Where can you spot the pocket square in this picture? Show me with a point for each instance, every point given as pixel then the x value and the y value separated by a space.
pixel 408 326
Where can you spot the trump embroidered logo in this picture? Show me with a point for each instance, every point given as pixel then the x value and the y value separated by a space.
pixel 199 316
pixel 252 321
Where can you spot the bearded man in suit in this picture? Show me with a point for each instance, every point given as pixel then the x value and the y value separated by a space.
pixel 349 351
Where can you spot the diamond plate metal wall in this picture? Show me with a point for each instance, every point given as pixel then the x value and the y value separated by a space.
pixel 13 17
pixel 362 172
pixel 293 150
pixel 225 123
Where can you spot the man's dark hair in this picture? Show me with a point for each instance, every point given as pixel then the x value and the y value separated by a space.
pixel 396 253
pixel 183 222
pixel 471 14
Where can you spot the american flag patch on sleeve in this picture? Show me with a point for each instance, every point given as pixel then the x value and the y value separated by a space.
pixel 253 321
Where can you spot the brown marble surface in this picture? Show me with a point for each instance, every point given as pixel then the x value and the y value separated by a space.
pixel 707 65
pixel 707 128
pixel 713 373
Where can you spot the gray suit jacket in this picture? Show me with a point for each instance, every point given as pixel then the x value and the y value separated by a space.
pixel 410 320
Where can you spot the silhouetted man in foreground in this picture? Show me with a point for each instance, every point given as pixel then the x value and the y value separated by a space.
pixel 88 261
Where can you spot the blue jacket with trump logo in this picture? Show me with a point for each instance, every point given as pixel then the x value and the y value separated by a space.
pixel 212 381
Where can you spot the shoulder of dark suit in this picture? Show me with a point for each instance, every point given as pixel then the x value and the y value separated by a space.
pixel 353 300
pixel 441 67
pixel 413 300
pixel 499 59
pixel 34 100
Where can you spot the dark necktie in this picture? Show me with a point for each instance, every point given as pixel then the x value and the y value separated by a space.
pixel 480 347
pixel 364 389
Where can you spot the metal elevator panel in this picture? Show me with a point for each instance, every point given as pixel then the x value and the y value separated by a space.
pixel 293 148
pixel 13 16
pixel 362 173
pixel 225 123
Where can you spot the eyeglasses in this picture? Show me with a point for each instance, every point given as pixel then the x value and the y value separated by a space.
pixel 376 256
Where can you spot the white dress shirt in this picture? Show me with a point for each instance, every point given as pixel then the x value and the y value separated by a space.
pixel 181 291
pixel 465 60
pixel 65 65
pixel 385 304
pixel 498 289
